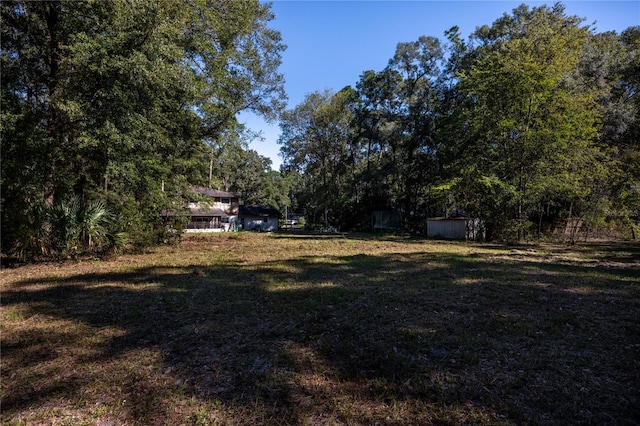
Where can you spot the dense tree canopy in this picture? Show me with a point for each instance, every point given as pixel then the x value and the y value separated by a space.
pixel 115 100
pixel 110 109
pixel 529 124
pixel 236 168
pixel 317 135
pixel 532 130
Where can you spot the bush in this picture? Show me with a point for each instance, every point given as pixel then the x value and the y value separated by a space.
pixel 31 237
pixel 68 228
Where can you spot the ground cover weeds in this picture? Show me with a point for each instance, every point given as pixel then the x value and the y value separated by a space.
pixel 326 329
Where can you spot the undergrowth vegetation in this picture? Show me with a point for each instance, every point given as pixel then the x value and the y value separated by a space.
pixel 66 229
pixel 326 329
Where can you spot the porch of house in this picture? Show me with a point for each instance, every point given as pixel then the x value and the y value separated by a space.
pixel 210 220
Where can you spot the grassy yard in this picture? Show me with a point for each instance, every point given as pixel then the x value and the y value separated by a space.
pixel 300 329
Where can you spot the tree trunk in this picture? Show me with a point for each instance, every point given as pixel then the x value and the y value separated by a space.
pixel 564 231
pixel 326 216
pixel 54 127
pixel 540 221
pixel 211 165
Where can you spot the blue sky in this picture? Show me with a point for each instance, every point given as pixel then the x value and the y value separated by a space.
pixel 330 43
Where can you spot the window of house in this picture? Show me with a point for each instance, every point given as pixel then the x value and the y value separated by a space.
pixel 225 200
pixel 264 219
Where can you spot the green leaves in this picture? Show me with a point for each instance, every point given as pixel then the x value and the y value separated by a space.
pixel 316 139
pixel 536 130
pixel 112 98
pixel 68 228
pixel 530 123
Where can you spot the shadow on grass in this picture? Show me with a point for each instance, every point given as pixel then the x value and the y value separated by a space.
pixel 361 236
pixel 403 338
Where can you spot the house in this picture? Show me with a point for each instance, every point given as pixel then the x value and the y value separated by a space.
pixel 459 228
pixel 258 218
pixel 218 213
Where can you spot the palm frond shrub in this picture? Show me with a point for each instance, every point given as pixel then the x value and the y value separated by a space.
pixel 31 237
pixel 64 227
pixel 92 220
pixel 68 228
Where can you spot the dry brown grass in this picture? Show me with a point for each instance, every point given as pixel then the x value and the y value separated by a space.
pixel 301 329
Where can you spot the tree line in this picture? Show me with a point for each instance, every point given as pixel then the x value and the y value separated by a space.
pixel 111 109
pixel 531 122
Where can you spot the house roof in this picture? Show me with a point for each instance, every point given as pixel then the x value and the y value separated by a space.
pixel 258 211
pixel 214 192
pixel 205 212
